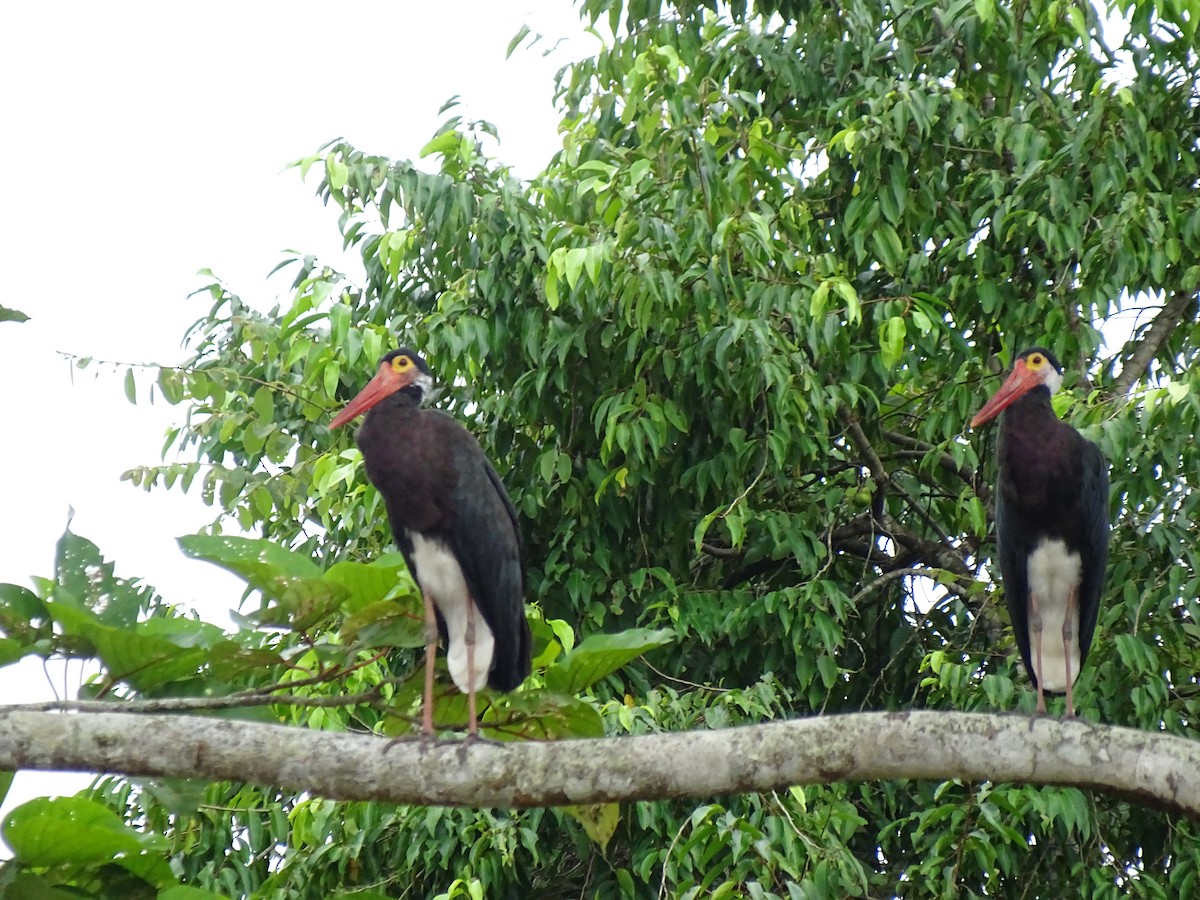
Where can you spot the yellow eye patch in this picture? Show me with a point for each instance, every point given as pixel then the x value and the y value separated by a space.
pixel 400 363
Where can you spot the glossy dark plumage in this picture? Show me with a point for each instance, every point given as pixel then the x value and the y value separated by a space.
pixel 1051 521
pixel 451 518
pixel 441 485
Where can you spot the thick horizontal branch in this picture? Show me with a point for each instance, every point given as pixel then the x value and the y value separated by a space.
pixel 1148 767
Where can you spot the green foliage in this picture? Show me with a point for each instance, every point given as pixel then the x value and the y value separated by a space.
pixel 722 350
pixel 8 314
pixel 53 839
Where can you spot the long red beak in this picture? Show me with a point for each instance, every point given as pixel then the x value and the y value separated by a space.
pixel 385 383
pixel 1020 382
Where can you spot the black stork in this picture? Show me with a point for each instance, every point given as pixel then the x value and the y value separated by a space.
pixel 1051 525
pixel 455 526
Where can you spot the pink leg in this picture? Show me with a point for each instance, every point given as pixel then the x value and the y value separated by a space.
pixel 1035 628
pixel 1068 636
pixel 472 721
pixel 431 637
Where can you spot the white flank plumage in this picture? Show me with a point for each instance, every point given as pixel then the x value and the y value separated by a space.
pixel 442 580
pixel 1053 574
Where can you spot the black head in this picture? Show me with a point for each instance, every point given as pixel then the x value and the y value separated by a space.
pixel 1044 353
pixel 1033 369
pixel 400 371
pixel 414 372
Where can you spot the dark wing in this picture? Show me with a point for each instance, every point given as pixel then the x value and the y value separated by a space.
pixel 1093 505
pixel 1014 548
pixel 486 540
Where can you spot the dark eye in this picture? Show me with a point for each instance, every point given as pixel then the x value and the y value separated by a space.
pixel 401 362
pixel 1036 359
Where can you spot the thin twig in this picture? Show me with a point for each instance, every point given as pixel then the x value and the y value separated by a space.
pixel 187 704
pixel 906 573
pixel 944 460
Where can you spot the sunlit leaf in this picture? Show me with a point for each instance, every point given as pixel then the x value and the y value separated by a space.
pixel 599 655
pixel 599 820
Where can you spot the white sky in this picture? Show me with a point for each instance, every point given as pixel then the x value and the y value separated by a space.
pixel 140 142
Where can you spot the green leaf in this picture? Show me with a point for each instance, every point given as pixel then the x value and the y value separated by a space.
pixel 443 143
pixel 263 405
pixel 11 650
pixel 573 265
pixel 19 607
pixel 12 315
pixel 367 583
pixel 86 580
pixel 301 596
pixel 398 622
pixel 330 377
pixel 891 341
pixel 135 655
pixel 72 831
pixel 179 796
pixel 538 715
pixel 888 246
pixel 130 387
pixel 336 172
pixel 599 821
pixel 599 655
pixel 516 41
pixel 170 383
pixel 257 560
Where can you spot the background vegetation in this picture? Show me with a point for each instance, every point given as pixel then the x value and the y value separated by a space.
pixel 722 350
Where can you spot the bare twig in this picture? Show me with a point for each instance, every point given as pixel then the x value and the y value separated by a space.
pixel 887 577
pixel 199 704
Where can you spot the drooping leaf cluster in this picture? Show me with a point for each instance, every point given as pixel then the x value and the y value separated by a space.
pixel 723 351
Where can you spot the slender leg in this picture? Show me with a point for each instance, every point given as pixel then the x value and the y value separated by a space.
pixel 1068 637
pixel 469 637
pixel 1035 628
pixel 431 637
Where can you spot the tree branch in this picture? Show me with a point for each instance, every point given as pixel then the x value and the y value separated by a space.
pixel 722 552
pixel 1149 344
pixel 944 460
pixel 1149 767
pixel 871 458
pixel 886 577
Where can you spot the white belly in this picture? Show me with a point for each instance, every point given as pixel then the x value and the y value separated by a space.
pixel 441 580
pixel 1053 578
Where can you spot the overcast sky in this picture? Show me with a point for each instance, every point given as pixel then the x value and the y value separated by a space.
pixel 142 142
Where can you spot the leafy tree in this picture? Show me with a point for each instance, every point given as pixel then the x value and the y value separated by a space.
pixel 724 349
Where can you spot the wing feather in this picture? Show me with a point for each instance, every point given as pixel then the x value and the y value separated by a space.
pixel 486 539
pixel 1093 502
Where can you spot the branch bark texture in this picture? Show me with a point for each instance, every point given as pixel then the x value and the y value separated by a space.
pixel 1151 768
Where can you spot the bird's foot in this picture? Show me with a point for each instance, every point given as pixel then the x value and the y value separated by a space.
pixel 1038 713
pixel 475 737
pixel 418 738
